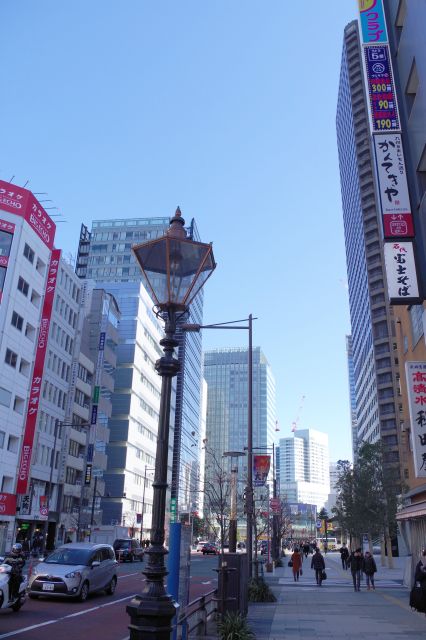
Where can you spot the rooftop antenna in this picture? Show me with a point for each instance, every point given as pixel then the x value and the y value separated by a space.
pixel 12 178
pixel 296 421
pixel 25 184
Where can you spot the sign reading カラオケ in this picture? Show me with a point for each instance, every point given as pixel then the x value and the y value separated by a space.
pixel 416 386
pixel 393 188
pixel 401 273
pixel 37 378
pixel 21 202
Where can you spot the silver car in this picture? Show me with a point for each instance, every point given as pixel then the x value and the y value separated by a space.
pixel 75 570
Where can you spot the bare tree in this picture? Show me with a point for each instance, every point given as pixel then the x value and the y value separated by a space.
pixel 217 497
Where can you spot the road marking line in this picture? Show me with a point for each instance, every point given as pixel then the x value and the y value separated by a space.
pixel 70 615
pixel 126 575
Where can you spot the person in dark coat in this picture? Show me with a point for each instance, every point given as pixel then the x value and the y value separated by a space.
pixel 369 568
pixel 356 563
pixel 344 556
pixel 306 549
pixel 318 564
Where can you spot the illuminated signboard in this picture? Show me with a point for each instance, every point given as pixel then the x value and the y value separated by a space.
pixel 381 89
pixel 373 24
pixel 392 186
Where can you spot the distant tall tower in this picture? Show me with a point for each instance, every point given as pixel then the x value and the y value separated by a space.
pixel 226 374
pixel 304 467
pixel 372 324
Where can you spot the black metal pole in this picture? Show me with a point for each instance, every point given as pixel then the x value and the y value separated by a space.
pixel 249 490
pixel 152 612
pixel 143 504
pixel 275 545
pixel 92 515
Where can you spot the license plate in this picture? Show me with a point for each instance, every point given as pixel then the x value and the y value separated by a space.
pixel 48 586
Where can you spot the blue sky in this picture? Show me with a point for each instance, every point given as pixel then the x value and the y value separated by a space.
pixel 225 108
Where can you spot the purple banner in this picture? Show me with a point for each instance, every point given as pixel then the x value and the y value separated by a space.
pixel 381 89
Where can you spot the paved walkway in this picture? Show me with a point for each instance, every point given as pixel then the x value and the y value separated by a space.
pixel 335 611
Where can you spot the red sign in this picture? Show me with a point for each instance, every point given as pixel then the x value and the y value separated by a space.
pixel 36 382
pixel 398 226
pixel 7 504
pixel 44 508
pixel 9 227
pixel 21 202
pixel 261 465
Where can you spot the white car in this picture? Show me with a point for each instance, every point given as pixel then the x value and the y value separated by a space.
pixel 200 545
pixel 75 570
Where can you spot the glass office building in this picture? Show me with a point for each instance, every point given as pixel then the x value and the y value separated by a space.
pixel 105 256
pixel 372 323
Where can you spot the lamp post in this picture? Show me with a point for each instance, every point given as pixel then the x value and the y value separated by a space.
pixel 233 324
pixel 233 512
pixel 175 268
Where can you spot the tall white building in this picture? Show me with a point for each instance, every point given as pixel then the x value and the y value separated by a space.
pixel 304 467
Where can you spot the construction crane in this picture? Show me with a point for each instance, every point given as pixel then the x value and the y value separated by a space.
pixel 295 423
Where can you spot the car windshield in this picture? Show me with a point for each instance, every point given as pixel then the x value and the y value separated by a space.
pixel 121 544
pixel 68 556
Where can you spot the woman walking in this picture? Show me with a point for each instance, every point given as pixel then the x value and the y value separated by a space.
pixel 369 568
pixel 296 559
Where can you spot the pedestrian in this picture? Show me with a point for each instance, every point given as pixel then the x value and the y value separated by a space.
pixel 296 559
pixel 369 568
pixel 355 563
pixel 418 596
pixel 318 564
pixel 344 555
pixel 306 549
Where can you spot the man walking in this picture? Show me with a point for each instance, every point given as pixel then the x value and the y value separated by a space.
pixel 318 564
pixel 344 555
pixel 356 562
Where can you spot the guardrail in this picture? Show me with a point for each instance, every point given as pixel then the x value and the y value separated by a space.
pixel 196 616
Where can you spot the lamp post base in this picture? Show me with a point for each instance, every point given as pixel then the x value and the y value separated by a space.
pixel 151 619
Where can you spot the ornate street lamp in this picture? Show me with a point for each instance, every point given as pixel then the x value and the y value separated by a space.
pixel 175 268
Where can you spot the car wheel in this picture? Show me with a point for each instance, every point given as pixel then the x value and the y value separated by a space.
pixel 131 557
pixel 18 604
pixel 141 558
pixel 84 593
pixel 33 596
pixel 111 587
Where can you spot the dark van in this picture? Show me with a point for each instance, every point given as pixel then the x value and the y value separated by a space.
pixel 127 549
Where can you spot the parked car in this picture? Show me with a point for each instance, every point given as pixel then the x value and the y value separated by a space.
pixel 75 570
pixel 128 549
pixel 209 548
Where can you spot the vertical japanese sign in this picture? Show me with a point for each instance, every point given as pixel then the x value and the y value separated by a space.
pixel 373 23
pixel 393 187
pixel 261 466
pixel 401 273
pixel 381 89
pixel 37 378
pixel 416 386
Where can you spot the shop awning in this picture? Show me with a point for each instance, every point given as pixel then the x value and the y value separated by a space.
pixel 417 510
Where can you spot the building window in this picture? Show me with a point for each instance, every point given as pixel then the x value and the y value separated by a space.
pixel 2 436
pixel 29 253
pixel 17 321
pixel 5 397
pixel 5 243
pixel 11 358
pixel 18 405
pixel 416 315
pixel 23 286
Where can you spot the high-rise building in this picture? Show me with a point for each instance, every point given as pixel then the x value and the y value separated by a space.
pixel 105 256
pixel 372 320
pixel 405 22
pixel 352 396
pixel 226 374
pixel 304 468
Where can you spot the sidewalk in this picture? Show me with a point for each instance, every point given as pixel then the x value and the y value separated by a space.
pixel 304 611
